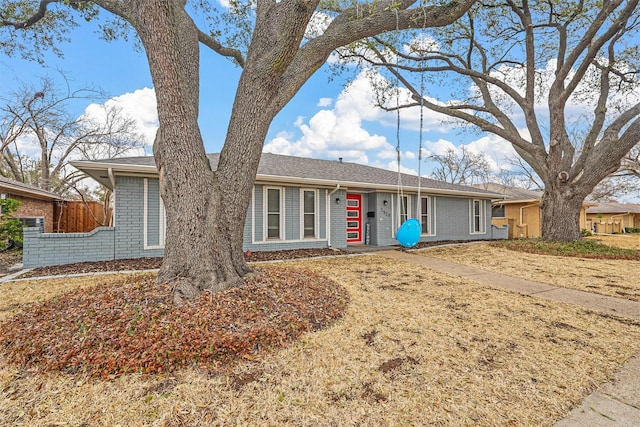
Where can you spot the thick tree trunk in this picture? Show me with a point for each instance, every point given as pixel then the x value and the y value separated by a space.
pixel 560 214
pixel 206 210
pixel 202 252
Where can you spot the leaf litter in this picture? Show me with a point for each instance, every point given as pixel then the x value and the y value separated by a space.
pixel 432 350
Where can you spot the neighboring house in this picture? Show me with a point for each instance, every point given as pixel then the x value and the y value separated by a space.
pixel 296 203
pixel 37 205
pixel 613 217
pixel 520 210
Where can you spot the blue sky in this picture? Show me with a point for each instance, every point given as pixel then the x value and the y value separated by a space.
pixel 324 120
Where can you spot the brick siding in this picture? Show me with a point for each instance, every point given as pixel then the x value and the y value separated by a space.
pixel 32 208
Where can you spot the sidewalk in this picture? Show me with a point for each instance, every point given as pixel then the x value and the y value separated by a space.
pixel 614 404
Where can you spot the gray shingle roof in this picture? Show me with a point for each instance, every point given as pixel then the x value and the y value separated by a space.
pixel 512 194
pixel 281 166
pixel 26 189
pixel 613 208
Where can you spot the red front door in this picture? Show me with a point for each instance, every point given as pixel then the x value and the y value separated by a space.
pixel 354 218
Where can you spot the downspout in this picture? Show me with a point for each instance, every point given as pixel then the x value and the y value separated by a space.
pixel 112 179
pixel 328 215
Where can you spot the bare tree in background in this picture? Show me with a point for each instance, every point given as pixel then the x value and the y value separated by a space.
pixel 520 69
pixel 39 135
pixel 460 166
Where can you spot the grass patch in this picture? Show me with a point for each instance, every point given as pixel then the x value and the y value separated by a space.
pixel 579 249
pixel 414 347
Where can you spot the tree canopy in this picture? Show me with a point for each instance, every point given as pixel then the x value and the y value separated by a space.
pixel 558 80
pixel 206 209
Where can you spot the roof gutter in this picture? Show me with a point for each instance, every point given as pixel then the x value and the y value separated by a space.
pixel 292 180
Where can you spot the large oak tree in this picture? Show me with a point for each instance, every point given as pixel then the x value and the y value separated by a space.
pixel 206 209
pixel 558 80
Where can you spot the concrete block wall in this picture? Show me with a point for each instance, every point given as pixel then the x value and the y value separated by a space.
pixel 499 233
pixel 42 249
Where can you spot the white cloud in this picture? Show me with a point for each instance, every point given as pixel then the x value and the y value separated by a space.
pixel 494 148
pixel 439 147
pixel 337 132
pixel 141 106
pixel 28 145
pixel 340 131
pixel 317 25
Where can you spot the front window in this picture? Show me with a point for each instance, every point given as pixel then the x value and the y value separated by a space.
pixel 309 214
pixel 404 209
pixel 274 213
pixel 424 215
pixel 498 211
pixel 477 216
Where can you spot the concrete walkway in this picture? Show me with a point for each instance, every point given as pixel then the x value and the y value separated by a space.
pixel 614 404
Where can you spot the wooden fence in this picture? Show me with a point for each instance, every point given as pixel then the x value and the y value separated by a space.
pixel 78 216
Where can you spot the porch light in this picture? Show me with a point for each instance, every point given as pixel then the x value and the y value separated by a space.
pixel 337 200
pixel 385 203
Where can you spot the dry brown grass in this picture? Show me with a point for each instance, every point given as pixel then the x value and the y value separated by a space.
pixel 16 295
pixel 416 347
pixel 618 278
pixel 627 241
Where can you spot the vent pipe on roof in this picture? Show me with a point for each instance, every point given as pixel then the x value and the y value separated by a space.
pixel 340 159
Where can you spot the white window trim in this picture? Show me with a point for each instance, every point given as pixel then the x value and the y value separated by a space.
pixel 429 215
pixel 316 215
pixel 162 220
pixel 253 214
pixel 265 220
pixel 434 221
pixel 482 208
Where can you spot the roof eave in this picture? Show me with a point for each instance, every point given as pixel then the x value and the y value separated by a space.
pixel 354 184
pixel 32 193
pixel 148 169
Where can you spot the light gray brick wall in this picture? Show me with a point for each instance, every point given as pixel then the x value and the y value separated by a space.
pixel 42 249
pixel 449 216
pixel 292 230
pixel 382 234
pixel 452 220
pixel 338 219
pixel 129 221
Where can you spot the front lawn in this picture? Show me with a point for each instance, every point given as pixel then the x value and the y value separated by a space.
pixel 414 347
pixel 586 248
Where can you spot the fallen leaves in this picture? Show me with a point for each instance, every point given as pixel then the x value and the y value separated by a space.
pixel 109 330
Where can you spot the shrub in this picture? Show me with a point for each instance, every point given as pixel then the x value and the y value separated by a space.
pixel 10 228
